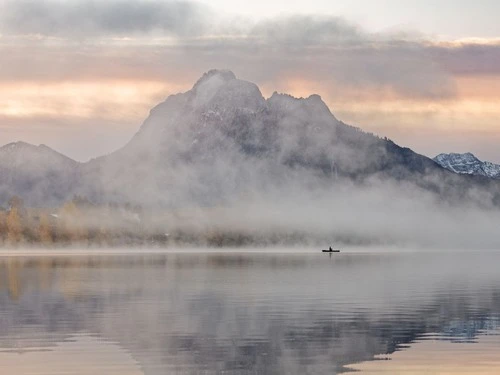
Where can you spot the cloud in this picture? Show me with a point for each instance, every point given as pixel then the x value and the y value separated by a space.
pixel 171 43
pixel 330 46
pixel 473 57
pixel 192 37
pixel 93 18
pixel 402 70
pixel 307 31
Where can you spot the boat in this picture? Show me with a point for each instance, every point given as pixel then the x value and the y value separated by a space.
pixel 331 251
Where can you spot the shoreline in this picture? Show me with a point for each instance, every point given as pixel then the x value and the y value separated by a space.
pixel 69 252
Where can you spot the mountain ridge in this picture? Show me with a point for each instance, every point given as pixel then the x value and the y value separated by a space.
pixel 222 139
pixel 38 174
pixel 468 163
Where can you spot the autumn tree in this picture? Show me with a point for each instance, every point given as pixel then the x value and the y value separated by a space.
pixel 3 226
pixel 45 230
pixel 17 203
pixel 14 227
pixel 73 222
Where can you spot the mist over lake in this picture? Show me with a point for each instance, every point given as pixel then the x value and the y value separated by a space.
pixel 247 312
pixel 220 165
pixel 236 187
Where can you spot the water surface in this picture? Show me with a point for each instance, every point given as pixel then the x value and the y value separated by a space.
pixel 250 313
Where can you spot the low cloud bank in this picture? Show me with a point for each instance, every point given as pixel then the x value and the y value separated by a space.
pixel 384 214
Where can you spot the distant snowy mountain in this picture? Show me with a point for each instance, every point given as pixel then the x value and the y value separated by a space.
pixel 468 164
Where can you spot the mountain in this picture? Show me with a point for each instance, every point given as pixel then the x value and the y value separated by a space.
pixel 223 142
pixel 468 164
pixel 223 139
pixel 38 174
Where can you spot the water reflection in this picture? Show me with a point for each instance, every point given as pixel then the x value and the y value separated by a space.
pixel 79 355
pixel 440 357
pixel 245 313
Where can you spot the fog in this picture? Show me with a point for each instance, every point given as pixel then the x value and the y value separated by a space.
pixel 383 215
pixel 220 165
pixel 222 159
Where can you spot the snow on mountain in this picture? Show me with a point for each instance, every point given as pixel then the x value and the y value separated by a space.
pixel 468 164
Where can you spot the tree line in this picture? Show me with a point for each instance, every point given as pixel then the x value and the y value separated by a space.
pixel 76 222
pixel 79 222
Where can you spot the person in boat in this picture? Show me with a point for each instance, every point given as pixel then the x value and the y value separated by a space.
pixel 330 248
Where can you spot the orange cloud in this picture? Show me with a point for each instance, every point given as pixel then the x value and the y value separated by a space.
pixel 92 100
pixel 88 105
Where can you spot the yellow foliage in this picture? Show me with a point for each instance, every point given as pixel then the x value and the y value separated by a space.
pixel 14 227
pixel 3 226
pixel 73 222
pixel 44 230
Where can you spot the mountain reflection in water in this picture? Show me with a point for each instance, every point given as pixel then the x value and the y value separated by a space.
pixel 250 313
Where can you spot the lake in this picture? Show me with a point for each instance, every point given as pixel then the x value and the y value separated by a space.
pixel 255 312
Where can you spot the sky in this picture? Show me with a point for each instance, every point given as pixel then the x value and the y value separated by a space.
pixel 81 75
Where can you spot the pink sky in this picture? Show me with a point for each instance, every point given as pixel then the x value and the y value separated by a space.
pixel 82 79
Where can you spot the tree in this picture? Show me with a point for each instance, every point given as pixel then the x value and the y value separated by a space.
pixel 73 223
pixel 16 202
pixel 45 231
pixel 3 226
pixel 14 227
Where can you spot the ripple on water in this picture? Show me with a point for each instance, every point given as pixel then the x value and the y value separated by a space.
pixel 255 313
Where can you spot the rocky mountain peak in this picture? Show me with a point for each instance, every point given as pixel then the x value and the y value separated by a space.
pixel 468 163
pixel 214 75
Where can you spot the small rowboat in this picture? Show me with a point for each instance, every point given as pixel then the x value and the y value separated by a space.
pixel 331 251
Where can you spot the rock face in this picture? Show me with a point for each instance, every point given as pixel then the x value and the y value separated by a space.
pixel 221 141
pixel 468 164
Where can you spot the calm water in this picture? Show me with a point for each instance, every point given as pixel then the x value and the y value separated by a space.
pixel 250 313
